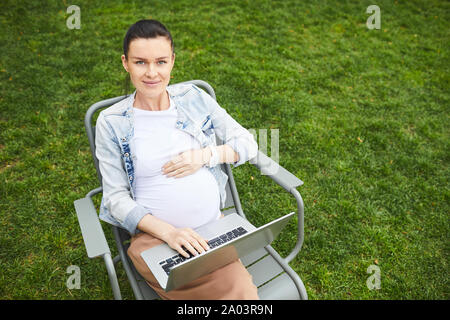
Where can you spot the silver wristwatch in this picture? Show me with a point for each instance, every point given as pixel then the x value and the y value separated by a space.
pixel 214 160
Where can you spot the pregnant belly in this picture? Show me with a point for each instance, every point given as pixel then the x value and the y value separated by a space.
pixel 189 201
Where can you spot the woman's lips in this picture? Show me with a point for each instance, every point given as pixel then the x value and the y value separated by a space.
pixel 151 83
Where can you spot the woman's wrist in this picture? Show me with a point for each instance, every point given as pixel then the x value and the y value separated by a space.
pixel 214 155
pixel 207 154
pixel 166 234
pixel 155 227
pixel 214 160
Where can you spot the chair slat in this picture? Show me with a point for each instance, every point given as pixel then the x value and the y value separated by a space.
pixel 264 270
pixel 252 257
pixel 280 288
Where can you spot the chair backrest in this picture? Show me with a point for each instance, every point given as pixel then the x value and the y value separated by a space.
pixel 232 199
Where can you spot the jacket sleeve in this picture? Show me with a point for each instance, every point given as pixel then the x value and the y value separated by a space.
pixel 230 131
pixel 116 188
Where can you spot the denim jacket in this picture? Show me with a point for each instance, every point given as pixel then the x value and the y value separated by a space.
pixel 197 114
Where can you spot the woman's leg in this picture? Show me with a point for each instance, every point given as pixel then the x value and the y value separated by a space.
pixel 231 282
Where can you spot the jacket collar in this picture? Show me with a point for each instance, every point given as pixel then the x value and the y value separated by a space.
pixel 175 92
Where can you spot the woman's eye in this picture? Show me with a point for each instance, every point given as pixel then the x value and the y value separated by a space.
pixel 159 62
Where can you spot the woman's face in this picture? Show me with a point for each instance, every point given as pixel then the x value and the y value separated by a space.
pixel 150 62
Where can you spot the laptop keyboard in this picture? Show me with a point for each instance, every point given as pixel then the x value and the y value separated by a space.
pixel 224 238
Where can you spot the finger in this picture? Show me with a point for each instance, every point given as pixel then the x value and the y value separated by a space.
pixel 180 250
pixel 198 247
pixel 182 172
pixel 190 248
pixel 172 162
pixel 186 170
pixel 205 244
pixel 197 240
pixel 177 159
pixel 169 168
pixel 172 168
pixel 167 165
pixel 175 172
pixel 201 241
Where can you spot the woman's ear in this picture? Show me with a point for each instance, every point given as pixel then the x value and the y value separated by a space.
pixel 124 63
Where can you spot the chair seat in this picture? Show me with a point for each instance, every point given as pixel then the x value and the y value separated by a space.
pixel 264 270
pixel 280 288
pixel 272 282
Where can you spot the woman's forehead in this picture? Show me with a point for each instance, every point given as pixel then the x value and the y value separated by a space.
pixel 150 48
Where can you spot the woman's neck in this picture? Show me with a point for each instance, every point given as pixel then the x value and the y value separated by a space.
pixel 158 103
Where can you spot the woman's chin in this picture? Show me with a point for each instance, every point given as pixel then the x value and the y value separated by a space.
pixel 152 92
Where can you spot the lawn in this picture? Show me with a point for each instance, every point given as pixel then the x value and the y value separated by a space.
pixel 363 120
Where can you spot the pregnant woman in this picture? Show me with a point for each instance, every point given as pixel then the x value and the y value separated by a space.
pixel 159 163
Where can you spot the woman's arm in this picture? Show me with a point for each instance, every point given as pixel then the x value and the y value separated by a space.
pixel 116 189
pixel 176 238
pixel 233 135
pixel 239 145
pixel 225 153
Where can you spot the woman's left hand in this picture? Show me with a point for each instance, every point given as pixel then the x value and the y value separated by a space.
pixel 186 163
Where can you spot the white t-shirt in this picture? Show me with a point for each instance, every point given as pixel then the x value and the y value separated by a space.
pixel 190 201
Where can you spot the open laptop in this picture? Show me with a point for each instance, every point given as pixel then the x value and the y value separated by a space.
pixel 229 239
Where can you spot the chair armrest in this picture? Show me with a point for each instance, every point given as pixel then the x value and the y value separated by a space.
pixel 93 236
pixel 276 172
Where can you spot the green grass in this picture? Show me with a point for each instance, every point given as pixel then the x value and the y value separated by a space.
pixel 362 115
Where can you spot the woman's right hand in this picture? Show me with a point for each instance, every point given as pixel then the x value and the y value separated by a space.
pixel 182 239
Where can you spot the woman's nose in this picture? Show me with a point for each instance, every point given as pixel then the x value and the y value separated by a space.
pixel 151 70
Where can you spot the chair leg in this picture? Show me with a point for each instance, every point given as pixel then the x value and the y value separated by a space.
pixel 112 276
pixel 122 256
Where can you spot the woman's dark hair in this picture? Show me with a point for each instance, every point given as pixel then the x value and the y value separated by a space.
pixel 144 29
